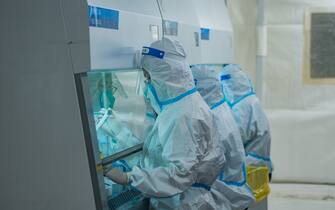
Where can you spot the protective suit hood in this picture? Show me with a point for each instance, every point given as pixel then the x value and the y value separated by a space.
pixel 208 84
pixel 170 73
pixel 235 83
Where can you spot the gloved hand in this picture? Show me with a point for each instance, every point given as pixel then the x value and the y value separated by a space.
pixel 118 176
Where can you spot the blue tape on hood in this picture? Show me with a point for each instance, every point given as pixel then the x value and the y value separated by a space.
pixel 225 77
pixel 153 52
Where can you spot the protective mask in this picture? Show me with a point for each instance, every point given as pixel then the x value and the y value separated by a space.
pixel 145 92
pixel 153 98
pixel 228 94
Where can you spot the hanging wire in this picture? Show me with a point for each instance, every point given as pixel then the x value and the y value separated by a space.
pixel 162 17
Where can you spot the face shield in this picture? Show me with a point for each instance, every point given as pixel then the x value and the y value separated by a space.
pixel 170 75
pixel 150 93
pixel 236 84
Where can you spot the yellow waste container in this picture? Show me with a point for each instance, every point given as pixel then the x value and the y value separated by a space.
pixel 258 181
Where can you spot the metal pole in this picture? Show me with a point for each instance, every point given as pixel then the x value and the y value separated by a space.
pixel 119 155
pixel 261 47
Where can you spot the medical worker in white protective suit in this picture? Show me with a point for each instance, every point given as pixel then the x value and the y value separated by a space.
pixel 181 156
pixel 231 188
pixel 252 121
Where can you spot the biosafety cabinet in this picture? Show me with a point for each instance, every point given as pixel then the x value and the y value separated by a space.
pixel 72 93
pixel 121 27
pixel 116 120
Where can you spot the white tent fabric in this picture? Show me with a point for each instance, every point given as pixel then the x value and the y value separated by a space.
pixel 302 115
